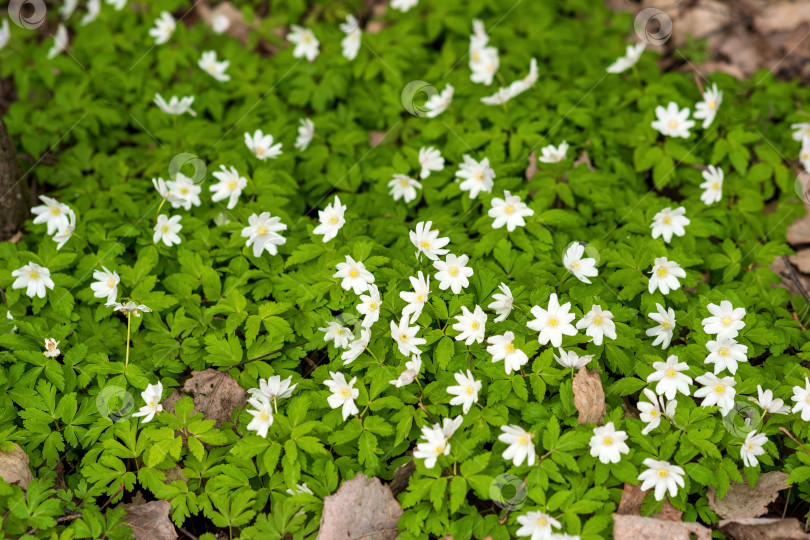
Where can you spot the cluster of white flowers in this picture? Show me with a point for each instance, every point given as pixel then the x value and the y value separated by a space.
pixel 484 60
pixel 673 121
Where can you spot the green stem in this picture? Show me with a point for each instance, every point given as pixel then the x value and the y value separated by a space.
pixel 129 326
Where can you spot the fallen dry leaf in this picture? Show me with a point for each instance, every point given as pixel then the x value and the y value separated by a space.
pixel 631 501
pixel 362 507
pixel 532 169
pixel 215 395
pixel 743 502
pixel 801 260
pixel 376 138
pixel 641 528
pixel 799 232
pixel 401 477
pixel 763 529
pixel 782 16
pixel 237 27
pixel 151 521
pixel 589 397
pixel 14 467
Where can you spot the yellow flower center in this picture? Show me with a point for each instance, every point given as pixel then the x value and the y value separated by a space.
pixel 425 244
pixel 653 413
pixel 231 185
pixel 719 389
pixel 509 209
pixel 420 297
pixel 345 392
pixel 665 325
pixel 671 373
pixel 673 123
pixel 453 271
pixel 712 104
pixel 262 231
pixel 510 347
pixel 354 273
pixel 597 320
pixel 715 185
pixel 403 337
pixel 439 449
pixel 55 211
pixel 165 228
pixel 469 389
pixel 111 283
pixel 726 321
pixel 480 176
pixel 333 219
pixel 662 473
pixel 259 151
pixel 667 220
pixel 541 522
pixel 475 325
pixel 264 417
pixel 552 322
pixel 33 275
pixel 723 352
pixel 372 306
pixel 607 441
pixel 404 182
pixel 523 440
pixel 662 272
pixel 152 404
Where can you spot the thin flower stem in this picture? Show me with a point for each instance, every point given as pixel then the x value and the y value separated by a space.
pixel 129 327
pixel 160 206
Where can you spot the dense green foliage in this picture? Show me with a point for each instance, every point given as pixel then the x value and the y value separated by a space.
pixel 215 305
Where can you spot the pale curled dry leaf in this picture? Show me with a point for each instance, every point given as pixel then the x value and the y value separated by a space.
pixel 14 467
pixel 589 397
pixel 742 501
pixel 642 528
pixel 763 529
pixel 362 507
pixel 632 499
pixel 215 394
pixel 151 521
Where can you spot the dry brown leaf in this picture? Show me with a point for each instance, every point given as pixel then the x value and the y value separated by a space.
pixel 631 501
pixel 14 467
pixel 362 507
pixel 151 521
pixel 401 477
pixel 584 158
pixel 376 138
pixel 532 169
pixel 763 529
pixel 237 26
pixel 801 260
pixel 743 502
pixel 589 397
pixel 782 16
pixel 215 395
pixel 799 232
pixel 641 528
